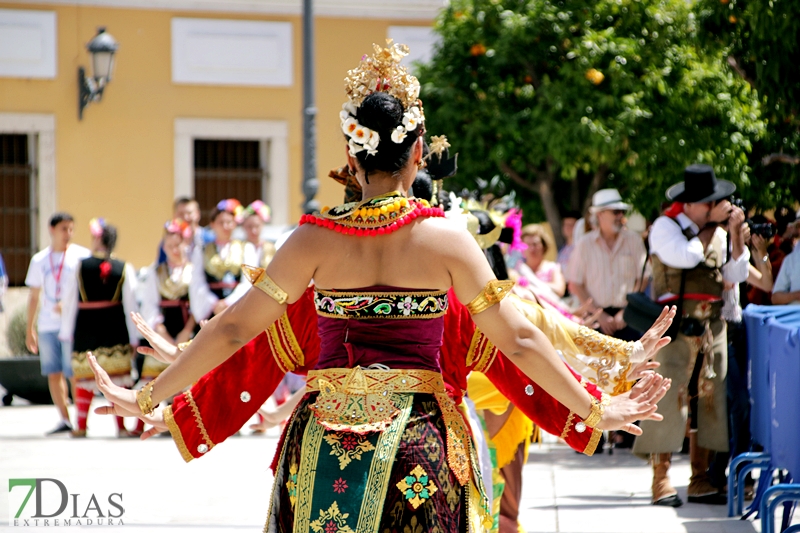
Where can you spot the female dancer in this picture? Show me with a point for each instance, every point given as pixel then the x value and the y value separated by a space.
pixel 252 219
pixel 97 315
pixel 378 443
pixel 219 284
pixel 165 294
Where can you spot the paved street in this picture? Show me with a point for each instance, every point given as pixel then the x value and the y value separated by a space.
pixel 228 489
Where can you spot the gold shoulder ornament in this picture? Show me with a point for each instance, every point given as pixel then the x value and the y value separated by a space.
pixel 492 293
pixel 259 278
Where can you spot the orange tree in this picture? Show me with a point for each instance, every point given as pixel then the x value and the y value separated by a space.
pixel 603 93
pixel 760 41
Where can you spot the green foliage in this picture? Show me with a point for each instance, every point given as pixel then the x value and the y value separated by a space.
pixel 761 42
pixel 15 334
pixel 616 90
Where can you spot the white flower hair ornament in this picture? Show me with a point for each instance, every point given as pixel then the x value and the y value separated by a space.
pixel 380 72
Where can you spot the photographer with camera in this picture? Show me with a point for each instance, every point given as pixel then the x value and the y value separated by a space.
pixel 756 232
pixel 690 262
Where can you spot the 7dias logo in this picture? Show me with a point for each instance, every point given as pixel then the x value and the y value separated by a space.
pixel 53 505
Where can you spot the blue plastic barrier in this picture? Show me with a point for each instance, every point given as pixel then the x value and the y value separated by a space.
pixel 784 379
pixel 756 318
pixel 773 334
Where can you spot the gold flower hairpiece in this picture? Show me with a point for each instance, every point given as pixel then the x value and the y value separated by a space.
pixel 381 72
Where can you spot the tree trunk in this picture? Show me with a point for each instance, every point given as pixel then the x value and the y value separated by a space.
pixel 575 194
pixel 544 187
pixel 597 182
pixel 544 184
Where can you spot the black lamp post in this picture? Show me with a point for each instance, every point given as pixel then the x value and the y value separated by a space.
pixel 310 181
pixel 90 89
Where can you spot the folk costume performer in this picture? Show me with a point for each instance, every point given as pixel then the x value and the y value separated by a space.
pixel 357 452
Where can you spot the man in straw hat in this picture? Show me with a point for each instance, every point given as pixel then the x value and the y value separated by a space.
pixel 607 264
pixel 690 250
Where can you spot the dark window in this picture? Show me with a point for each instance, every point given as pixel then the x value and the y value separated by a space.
pixel 227 169
pixel 17 210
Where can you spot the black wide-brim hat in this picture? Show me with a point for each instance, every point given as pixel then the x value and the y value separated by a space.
pixel 700 185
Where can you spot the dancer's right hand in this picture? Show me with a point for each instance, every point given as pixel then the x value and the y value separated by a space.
pixel 162 349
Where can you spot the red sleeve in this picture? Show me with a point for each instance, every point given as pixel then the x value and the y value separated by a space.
pixel 545 411
pixel 223 400
pixel 465 349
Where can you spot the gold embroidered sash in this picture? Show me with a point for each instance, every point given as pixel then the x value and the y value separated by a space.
pixel 362 400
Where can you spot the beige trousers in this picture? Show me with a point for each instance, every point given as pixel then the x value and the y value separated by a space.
pixel 677 362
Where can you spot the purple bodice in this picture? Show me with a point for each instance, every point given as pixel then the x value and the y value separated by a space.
pixel 399 328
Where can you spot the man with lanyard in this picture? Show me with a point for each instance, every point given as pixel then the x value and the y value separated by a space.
pixel 49 272
pixel 692 256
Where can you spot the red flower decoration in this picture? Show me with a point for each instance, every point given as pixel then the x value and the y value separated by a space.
pixel 331 527
pixel 349 442
pixel 339 486
pixel 105 270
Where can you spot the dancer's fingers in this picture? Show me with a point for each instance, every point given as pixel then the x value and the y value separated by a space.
pixel 152 432
pixel 641 386
pixel 654 395
pixel 100 375
pixel 652 390
pixel 105 410
pixel 633 429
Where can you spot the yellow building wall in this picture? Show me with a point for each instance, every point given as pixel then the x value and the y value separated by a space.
pixel 118 162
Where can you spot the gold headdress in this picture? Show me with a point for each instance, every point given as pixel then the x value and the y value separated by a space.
pixel 383 72
pixel 380 72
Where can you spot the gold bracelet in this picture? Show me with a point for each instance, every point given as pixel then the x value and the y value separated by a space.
pixel 595 415
pixel 259 278
pixel 183 345
pixel 492 293
pixel 144 400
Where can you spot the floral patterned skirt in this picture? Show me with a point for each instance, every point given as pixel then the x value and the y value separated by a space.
pixel 395 481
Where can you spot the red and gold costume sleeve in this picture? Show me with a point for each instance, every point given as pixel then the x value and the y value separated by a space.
pixel 462 337
pixel 222 401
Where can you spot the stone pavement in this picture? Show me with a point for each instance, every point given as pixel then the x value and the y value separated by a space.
pixel 228 489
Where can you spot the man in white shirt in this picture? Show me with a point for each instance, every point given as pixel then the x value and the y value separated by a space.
pixel 49 274
pixel 692 254
pixel 607 263
pixel 787 285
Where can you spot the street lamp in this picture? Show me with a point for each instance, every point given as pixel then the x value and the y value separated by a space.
pixel 90 89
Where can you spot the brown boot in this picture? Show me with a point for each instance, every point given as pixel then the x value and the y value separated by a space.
pixel 664 494
pixel 700 488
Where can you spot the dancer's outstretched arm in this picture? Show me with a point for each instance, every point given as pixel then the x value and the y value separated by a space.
pixel 291 269
pixel 530 350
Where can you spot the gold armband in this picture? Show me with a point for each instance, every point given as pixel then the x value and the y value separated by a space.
pixel 259 278
pixel 492 293
pixel 144 400
pixel 183 345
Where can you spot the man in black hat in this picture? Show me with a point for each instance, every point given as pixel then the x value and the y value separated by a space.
pixel 691 256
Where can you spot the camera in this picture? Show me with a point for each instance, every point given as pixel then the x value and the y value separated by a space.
pixel 766 230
